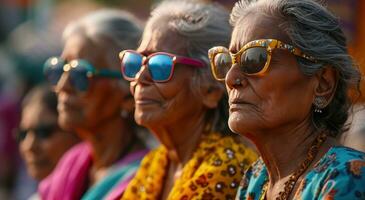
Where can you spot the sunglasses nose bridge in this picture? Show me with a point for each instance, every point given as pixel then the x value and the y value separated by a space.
pixel 144 76
pixel 64 83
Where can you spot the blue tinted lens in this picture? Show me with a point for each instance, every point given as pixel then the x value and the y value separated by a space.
pixel 79 78
pixel 160 67
pixel 131 63
pixel 53 72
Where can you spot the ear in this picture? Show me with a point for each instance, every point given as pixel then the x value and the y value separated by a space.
pixel 327 83
pixel 211 96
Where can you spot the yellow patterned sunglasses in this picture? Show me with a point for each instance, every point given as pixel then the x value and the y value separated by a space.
pixel 254 58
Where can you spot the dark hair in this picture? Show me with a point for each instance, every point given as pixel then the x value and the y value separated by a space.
pixel 317 32
pixel 44 95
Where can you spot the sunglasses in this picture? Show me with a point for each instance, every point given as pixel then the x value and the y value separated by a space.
pixel 254 57
pixel 81 72
pixel 41 132
pixel 160 65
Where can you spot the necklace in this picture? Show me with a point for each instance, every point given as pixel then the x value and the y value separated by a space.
pixel 289 184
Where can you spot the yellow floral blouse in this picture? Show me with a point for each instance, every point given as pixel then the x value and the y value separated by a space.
pixel 213 172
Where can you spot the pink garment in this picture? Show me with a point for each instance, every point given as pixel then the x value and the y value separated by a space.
pixel 69 179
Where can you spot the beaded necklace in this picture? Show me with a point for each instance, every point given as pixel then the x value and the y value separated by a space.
pixel 289 184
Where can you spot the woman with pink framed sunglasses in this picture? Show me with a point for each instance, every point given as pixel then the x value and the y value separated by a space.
pixel 177 99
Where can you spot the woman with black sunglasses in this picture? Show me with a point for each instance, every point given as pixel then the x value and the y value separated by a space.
pixel 96 104
pixel 177 99
pixel 39 133
pixel 288 72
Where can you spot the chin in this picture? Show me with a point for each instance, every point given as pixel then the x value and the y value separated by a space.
pixel 239 125
pixel 147 119
pixel 38 174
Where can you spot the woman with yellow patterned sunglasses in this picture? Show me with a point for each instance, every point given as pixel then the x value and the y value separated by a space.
pixel 253 58
pixel 287 73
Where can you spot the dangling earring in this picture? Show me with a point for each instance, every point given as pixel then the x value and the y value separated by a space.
pixel 319 104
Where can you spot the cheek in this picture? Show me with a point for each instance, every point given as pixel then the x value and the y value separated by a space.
pixel 101 103
pixel 59 140
pixel 289 100
pixel 276 103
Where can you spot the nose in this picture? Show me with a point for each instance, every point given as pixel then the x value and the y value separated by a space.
pixel 30 142
pixel 235 78
pixel 64 84
pixel 143 76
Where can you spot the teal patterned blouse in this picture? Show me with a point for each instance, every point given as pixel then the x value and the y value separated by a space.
pixel 338 175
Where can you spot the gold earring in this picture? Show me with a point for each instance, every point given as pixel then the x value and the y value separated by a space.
pixel 319 104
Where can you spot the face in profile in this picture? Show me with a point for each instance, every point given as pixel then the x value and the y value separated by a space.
pixel 164 103
pixel 281 97
pixel 88 107
pixel 41 141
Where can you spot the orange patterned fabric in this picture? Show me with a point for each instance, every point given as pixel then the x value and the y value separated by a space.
pixel 213 172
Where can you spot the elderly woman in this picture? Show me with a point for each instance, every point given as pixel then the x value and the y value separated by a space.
pixel 97 106
pixel 177 99
pixel 287 73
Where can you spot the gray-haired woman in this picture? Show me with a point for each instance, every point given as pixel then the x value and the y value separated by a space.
pixel 178 100
pixel 287 73
pixel 97 105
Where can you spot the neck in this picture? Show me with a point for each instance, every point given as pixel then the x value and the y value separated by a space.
pixel 284 150
pixel 109 142
pixel 181 139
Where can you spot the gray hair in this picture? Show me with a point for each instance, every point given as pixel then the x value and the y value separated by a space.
pixel 119 28
pixel 317 32
pixel 201 26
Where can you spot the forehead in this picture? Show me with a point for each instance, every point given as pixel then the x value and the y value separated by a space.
pixel 35 114
pixel 78 46
pixel 158 38
pixel 256 26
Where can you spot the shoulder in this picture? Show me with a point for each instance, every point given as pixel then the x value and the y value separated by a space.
pixel 253 181
pixel 229 147
pixel 72 168
pixel 339 174
pixel 344 161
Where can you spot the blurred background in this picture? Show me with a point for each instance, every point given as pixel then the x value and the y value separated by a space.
pixel 30 32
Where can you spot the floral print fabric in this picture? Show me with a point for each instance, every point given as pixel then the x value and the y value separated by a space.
pixel 213 172
pixel 339 175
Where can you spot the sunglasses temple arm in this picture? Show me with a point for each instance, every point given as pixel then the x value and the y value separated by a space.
pixel 109 73
pixel 190 61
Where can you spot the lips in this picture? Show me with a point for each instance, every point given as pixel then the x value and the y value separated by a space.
pixel 67 102
pixel 238 101
pixel 65 106
pixel 146 101
pixel 238 104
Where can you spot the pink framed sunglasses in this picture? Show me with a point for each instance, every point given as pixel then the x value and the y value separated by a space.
pixel 161 65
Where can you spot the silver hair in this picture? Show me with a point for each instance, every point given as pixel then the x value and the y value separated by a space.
pixel 119 29
pixel 201 26
pixel 317 32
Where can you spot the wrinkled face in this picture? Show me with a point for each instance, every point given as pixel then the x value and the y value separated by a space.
pixel 168 103
pixel 102 99
pixel 41 154
pixel 279 99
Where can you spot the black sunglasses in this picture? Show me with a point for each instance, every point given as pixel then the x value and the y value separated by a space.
pixel 43 131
